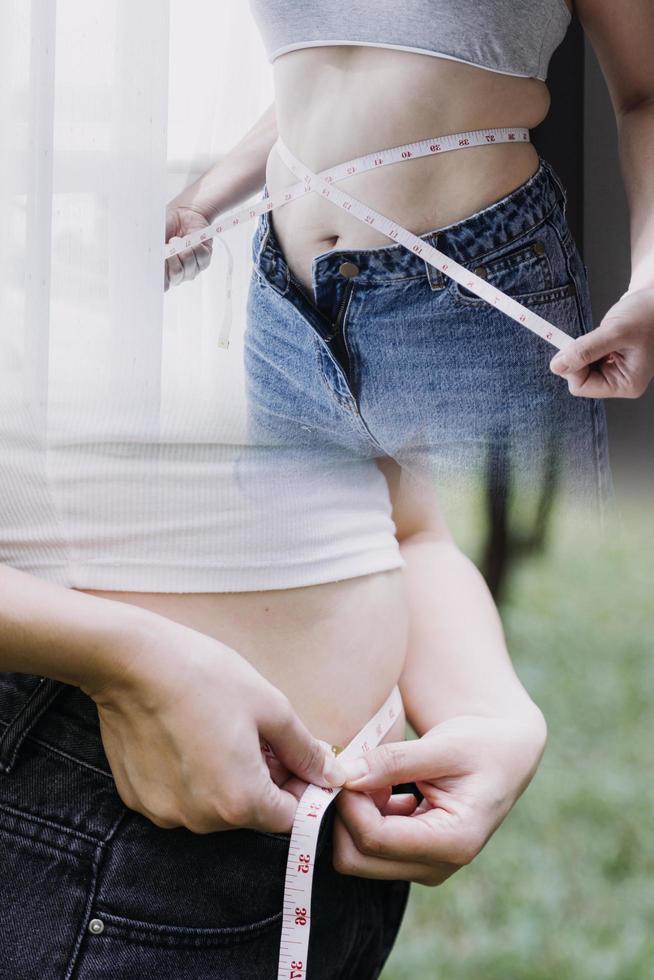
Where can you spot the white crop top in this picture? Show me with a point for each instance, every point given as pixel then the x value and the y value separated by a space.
pixel 125 469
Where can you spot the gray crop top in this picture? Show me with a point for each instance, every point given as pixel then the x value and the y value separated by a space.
pixel 514 37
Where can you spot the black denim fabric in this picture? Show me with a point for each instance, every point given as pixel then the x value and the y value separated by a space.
pixel 171 904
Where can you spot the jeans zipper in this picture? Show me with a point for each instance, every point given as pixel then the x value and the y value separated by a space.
pixel 341 309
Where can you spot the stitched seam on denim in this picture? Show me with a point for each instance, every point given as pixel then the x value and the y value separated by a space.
pixel 83 925
pixel 262 243
pixel 43 707
pixel 324 346
pixel 521 234
pixel 150 931
pixel 43 821
pixel 30 697
pixel 10 761
pixel 540 298
pixel 56 750
pixel 572 277
pixel 580 311
pixel 515 260
pixel 537 298
pixel 319 352
pixel 361 422
pixel 390 282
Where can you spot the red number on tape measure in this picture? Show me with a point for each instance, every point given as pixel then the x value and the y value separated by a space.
pixel 303 863
pixel 300 917
pixel 297 970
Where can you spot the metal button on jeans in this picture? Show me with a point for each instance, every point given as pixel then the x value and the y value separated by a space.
pixel 480 271
pixel 348 269
pixel 539 248
pixel 96 926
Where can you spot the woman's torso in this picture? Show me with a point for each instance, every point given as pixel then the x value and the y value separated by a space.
pixel 337 649
pixel 334 103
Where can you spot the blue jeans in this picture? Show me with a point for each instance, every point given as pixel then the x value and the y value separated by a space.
pixel 169 904
pixel 390 357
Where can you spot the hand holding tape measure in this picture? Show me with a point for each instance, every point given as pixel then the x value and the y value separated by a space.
pixel 614 360
pixel 465 769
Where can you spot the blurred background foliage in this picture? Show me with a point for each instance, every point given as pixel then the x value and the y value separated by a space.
pixel 565 888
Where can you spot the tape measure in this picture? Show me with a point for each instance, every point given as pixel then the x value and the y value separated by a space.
pixel 323 183
pixel 311 809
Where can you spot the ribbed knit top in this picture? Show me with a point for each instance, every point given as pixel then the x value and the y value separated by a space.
pixel 125 469
pixel 514 37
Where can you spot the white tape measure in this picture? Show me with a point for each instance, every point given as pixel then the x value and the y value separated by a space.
pixel 313 804
pixel 323 183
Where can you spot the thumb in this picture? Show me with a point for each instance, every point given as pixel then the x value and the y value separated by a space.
pixel 582 351
pixel 401 762
pixel 303 755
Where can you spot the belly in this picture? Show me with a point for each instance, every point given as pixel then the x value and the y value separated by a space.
pixel 335 650
pixel 336 103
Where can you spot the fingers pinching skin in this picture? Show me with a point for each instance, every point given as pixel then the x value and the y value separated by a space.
pixel 402 762
pixel 295 746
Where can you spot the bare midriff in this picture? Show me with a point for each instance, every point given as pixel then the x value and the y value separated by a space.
pixel 335 103
pixel 337 649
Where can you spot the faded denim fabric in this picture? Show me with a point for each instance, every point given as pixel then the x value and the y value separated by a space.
pixel 400 360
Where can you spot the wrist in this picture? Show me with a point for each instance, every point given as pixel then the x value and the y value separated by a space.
pixel 108 643
pixel 234 178
pixel 519 708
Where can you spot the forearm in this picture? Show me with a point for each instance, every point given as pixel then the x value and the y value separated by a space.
pixel 237 175
pixel 457 661
pixel 636 150
pixel 53 631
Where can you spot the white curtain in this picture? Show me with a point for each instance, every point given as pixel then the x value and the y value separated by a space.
pixel 107 109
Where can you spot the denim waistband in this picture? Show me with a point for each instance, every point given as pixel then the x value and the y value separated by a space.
pixel 466 240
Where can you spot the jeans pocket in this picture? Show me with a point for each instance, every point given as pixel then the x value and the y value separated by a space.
pixel 202 889
pixel 533 269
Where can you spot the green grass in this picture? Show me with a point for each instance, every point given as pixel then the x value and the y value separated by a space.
pixel 565 888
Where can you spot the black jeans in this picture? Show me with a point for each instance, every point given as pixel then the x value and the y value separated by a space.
pixel 92 890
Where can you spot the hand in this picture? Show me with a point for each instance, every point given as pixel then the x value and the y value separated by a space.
pixel 470 770
pixel 186 265
pixel 616 360
pixel 182 717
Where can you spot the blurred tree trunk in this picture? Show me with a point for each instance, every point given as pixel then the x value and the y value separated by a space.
pixel 559 139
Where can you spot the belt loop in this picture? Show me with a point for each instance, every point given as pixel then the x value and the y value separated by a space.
pixel 22 723
pixel 436 278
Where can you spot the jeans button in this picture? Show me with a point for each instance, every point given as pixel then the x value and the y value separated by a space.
pixel 348 269
pixel 480 271
pixel 96 926
pixel 539 248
